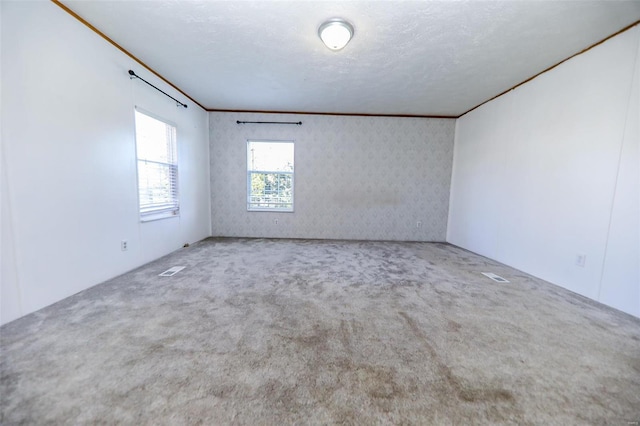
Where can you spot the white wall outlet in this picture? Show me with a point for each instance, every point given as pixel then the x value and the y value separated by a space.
pixel 418 224
pixel 124 245
pixel 275 221
pixel 581 259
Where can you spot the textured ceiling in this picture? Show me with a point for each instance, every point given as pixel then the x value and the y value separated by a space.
pixel 407 57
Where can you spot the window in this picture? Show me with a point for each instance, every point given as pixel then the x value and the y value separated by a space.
pixel 157 168
pixel 270 176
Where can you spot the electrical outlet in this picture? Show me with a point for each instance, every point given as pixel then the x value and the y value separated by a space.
pixel 418 224
pixel 275 221
pixel 124 245
pixel 581 260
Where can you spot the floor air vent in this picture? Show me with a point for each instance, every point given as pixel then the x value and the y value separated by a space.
pixel 495 277
pixel 172 271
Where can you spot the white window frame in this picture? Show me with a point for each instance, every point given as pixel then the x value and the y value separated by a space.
pixel 250 171
pixel 167 210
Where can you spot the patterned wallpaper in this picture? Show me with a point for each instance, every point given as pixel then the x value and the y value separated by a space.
pixel 363 178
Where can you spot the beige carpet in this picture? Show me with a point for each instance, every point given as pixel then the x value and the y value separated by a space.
pixel 322 332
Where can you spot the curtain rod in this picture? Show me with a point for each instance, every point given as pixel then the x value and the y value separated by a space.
pixel 298 123
pixel 133 75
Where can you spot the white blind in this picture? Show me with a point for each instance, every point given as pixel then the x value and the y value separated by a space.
pixel 157 166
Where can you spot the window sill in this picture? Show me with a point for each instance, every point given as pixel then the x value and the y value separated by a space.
pixel 270 210
pixel 158 216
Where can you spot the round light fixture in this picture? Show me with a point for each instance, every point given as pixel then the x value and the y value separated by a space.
pixel 335 33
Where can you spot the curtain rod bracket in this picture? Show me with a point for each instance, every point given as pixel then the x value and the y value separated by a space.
pixel 133 75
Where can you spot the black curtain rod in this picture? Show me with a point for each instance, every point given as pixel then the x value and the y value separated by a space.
pixel 299 123
pixel 133 75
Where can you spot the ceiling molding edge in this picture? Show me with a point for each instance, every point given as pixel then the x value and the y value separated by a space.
pixel 347 114
pixel 123 50
pixel 627 28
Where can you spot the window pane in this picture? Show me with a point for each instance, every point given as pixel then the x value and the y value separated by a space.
pixel 154 139
pixel 270 156
pixel 270 175
pixel 157 167
pixel 271 191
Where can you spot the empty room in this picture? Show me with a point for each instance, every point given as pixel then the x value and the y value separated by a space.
pixel 320 212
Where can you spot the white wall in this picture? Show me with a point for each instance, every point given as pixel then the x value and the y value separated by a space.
pixel 620 285
pixel 69 192
pixel 549 171
pixel 369 178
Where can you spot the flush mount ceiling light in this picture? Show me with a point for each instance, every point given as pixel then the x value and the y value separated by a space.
pixel 335 33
